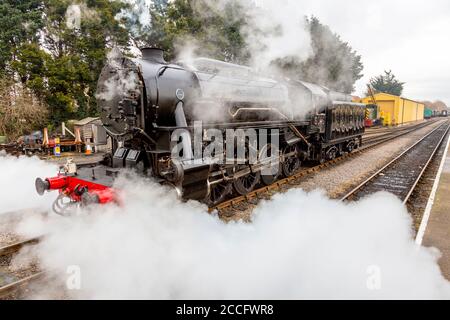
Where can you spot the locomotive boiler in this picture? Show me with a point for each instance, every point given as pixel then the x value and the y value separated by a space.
pixel 150 108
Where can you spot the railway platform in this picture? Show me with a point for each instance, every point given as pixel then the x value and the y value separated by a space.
pixel 435 228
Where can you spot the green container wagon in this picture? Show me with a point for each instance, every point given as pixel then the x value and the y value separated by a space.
pixel 427 113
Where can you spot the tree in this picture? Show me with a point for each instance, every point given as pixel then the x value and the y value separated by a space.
pixel 437 105
pixel 387 83
pixel 78 51
pixel 56 48
pixel 62 65
pixel 150 33
pixel 333 63
pixel 440 105
pixel 175 25
pixel 20 111
pixel 219 35
pixel 20 22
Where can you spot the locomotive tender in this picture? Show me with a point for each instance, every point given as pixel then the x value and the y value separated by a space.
pixel 146 102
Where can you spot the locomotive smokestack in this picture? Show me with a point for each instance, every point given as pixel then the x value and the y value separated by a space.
pixel 153 54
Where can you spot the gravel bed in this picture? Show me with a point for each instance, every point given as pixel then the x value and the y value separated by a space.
pixel 9 222
pixel 7 238
pixel 7 235
pixel 15 267
pixel 18 265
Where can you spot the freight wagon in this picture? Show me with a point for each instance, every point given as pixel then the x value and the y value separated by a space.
pixel 428 113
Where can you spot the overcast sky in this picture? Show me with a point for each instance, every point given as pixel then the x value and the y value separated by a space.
pixel 411 37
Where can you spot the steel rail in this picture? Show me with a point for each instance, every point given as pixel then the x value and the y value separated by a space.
pixel 17 285
pixel 15 247
pixel 399 157
pixel 20 284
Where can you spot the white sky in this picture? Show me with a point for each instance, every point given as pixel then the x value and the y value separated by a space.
pixel 410 37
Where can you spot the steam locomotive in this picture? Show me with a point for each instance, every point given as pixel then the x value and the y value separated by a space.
pixel 148 106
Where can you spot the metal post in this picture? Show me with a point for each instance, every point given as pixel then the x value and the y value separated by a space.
pixel 142 109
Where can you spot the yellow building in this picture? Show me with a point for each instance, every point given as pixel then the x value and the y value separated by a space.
pixel 397 110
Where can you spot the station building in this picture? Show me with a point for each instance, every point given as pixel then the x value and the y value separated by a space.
pixel 396 110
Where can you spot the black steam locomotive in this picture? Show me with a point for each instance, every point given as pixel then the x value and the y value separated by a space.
pixel 148 106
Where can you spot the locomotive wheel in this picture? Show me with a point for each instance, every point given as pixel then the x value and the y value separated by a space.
pixel 247 183
pixel 218 192
pixel 270 173
pixel 290 164
pixel 331 153
pixel 268 179
pixel 350 146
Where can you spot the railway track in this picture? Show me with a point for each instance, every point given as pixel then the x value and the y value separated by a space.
pixel 240 203
pixel 401 175
pixel 370 138
pixel 11 149
pixel 18 285
pixel 384 129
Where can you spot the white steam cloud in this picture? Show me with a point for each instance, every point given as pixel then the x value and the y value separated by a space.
pixel 137 12
pixel 276 30
pixel 298 246
pixel 122 82
pixel 73 16
pixel 272 29
pixel 17 175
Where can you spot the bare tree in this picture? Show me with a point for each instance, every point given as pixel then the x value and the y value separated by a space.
pixel 439 105
pixel 20 111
